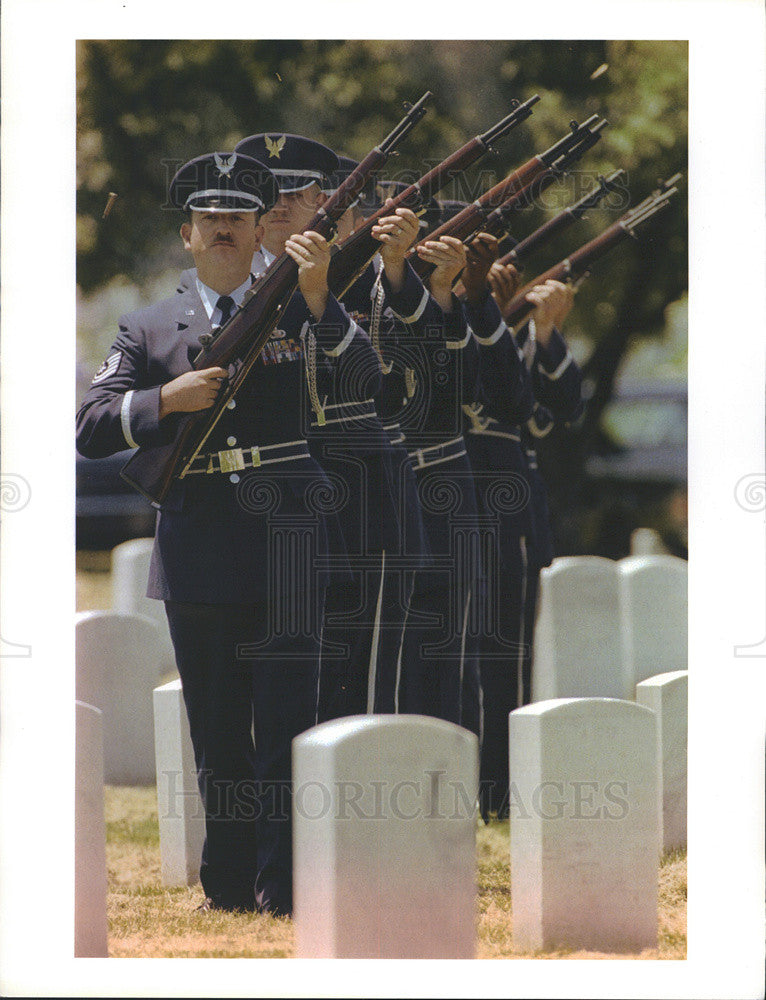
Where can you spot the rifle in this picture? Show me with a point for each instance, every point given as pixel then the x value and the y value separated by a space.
pixel 498 222
pixel 523 249
pixel 465 223
pixel 663 187
pixel 577 264
pixel 351 258
pixel 152 470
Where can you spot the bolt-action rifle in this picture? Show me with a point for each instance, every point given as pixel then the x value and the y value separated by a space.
pixel 152 470
pixel 353 255
pixel 524 249
pixel 499 222
pixel 473 217
pixel 575 267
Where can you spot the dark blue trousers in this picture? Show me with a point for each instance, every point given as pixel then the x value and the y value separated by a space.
pixel 349 642
pixel 437 648
pixel 361 641
pixel 249 689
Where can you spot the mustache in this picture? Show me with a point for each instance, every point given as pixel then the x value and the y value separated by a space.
pixel 224 239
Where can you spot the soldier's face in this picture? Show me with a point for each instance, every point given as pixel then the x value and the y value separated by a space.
pixel 222 239
pixel 291 214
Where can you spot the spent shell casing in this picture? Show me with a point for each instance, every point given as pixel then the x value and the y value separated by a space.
pixel 110 204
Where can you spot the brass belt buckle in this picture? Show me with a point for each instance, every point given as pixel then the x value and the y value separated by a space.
pixel 232 460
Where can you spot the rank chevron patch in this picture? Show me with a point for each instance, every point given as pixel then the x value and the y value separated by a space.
pixel 108 368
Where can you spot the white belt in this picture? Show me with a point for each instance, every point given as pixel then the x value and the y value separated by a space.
pixel 423 457
pixel 237 459
pixel 346 412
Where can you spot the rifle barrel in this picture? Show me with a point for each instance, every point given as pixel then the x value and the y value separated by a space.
pixel 499 219
pixel 558 223
pixel 152 470
pixel 569 140
pixel 413 116
pixel 580 260
pixel 592 198
pixel 358 249
pixel 519 114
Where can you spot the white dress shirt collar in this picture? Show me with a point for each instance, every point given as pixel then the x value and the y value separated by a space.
pixel 261 260
pixel 210 298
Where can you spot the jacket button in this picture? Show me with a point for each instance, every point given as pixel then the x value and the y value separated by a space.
pixel 231 404
pixel 234 478
pixel 231 441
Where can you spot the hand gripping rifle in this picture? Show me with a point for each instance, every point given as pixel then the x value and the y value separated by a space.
pixel 152 470
pixel 355 253
pixel 574 267
pixel 524 249
pixel 467 222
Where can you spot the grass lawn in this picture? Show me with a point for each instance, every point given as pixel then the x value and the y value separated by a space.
pixel 146 919
pixel 94 580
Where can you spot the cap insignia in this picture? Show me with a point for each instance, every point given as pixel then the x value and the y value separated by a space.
pixel 275 146
pixel 225 166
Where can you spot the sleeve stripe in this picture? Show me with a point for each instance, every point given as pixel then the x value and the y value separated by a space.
pixel 553 376
pixel 418 312
pixel 125 419
pixel 487 341
pixel 341 347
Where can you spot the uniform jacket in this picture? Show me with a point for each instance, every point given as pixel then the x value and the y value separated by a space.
pixel 503 401
pixel 442 359
pixel 219 537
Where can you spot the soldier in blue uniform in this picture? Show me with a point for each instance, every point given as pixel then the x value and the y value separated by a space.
pixel 431 357
pixel 364 614
pixel 406 547
pixel 240 532
pixel 556 381
pixel 502 402
pixel 511 388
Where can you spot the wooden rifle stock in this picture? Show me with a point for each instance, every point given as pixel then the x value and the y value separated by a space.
pixel 355 253
pixel 492 206
pixel 152 470
pixel 497 222
pixel 581 260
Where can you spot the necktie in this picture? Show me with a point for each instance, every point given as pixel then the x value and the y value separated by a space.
pixel 226 304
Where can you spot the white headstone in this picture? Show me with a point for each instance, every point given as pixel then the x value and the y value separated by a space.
pixel 118 667
pixel 668 695
pixel 646 542
pixel 179 806
pixel 130 572
pixel 90 927
pixel 654 611
pixel 384 838
pixel 578 646
pixel 585 825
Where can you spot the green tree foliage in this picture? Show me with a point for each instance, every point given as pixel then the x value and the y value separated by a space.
pixel 145 107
